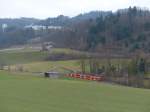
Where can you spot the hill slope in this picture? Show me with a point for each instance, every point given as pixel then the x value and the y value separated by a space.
pixel 33 94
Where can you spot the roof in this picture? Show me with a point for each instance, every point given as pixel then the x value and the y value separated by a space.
pixel 52 72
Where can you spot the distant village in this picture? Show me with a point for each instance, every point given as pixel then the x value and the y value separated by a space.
pixel 35 27
pixel 41 27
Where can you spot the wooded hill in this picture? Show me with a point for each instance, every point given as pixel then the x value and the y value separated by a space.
pixel 126 30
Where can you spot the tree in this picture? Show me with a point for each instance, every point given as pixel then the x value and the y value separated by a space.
pixel 94 66
pixel 142 66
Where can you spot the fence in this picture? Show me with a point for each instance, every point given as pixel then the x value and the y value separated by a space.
pixel 130 81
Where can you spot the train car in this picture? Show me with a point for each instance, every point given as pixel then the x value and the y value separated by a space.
pixel 93 77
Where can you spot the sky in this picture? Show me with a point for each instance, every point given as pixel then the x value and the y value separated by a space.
pixel 52 8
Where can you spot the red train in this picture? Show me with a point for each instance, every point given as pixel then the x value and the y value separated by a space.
pixel 87 76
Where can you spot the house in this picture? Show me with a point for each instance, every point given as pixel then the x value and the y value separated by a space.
pixel 41 27
pixel 4 26
pixel 47 46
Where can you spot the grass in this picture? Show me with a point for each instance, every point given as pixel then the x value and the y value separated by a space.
pixel 66 51
pixel 22 57
pixel 60 66
pixel 42 66
pixel 27 55
pixel 21 93
pixel 34 60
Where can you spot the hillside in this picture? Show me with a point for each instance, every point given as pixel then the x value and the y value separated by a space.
pixel 15 31
pixel 121 32
pixel 18 22
pixel 28 55
pixel 23 93
pixel 127 29
pixel 62 20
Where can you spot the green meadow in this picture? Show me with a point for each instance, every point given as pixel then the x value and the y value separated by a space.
pixel 25 93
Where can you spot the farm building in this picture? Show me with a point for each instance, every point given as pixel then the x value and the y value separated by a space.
pixel 52 74
pixel 47 46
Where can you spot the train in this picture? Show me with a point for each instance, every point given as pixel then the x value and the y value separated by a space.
pixel 92 77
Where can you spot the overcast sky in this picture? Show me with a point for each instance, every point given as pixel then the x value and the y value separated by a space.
pixel 51 8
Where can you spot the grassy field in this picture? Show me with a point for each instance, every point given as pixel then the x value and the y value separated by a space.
pixel 22 57
pixel 28 55
pixel 34 60
pixel 60 66
pixel 24 93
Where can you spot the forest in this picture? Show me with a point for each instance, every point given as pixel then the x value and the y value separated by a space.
pixel 124 31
